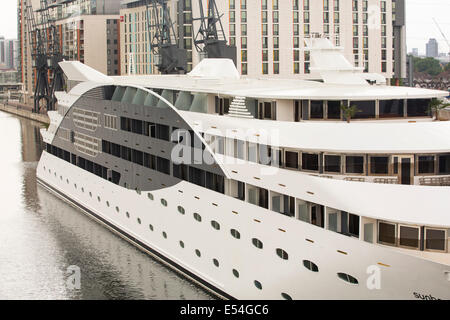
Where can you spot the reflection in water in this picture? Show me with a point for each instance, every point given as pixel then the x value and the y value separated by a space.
pixel 41 236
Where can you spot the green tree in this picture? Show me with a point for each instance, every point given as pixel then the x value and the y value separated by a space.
pixel 430 66
pixel 349 111
pixel 437 105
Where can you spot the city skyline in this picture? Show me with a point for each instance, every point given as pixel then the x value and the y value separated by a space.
pixel 418 15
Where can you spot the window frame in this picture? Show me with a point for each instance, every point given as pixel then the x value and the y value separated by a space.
pixel 389 165
pixel 399 225
pixel 341 165
pixel 395 236
pixel 425 239
pixel 364 164
pixel 416 164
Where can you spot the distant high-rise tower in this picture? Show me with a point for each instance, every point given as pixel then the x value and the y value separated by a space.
pixel 432 48
pixel 415 52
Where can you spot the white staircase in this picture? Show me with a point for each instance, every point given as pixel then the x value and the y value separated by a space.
pixel 238 109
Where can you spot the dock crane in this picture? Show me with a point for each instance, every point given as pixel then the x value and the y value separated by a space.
pixel 169 58
pixel 55 57
pixel 37 43
pixel 210 40
pixel 443 35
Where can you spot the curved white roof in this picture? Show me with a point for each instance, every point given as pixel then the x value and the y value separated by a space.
pixel 276 88
pixel 354 137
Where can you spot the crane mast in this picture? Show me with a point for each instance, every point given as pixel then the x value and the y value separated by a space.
pixel 37 44
pixel 168 57
pixel 210 40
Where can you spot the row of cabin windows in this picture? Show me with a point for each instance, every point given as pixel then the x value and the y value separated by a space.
pixel 194 175
pixel 138 157
pixel 85 164
pixel 320 109
pixel 303 109
pixel 412 237
pixel 159 131
pixel 325 163
pixel 149 129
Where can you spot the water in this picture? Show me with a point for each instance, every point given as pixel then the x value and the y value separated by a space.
pixel 42 238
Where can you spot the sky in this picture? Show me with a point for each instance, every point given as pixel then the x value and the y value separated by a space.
pixel 419 18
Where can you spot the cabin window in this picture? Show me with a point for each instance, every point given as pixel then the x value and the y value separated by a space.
pixel 310 266
pixel 354 164
pixel 379 165
pixel 391 108
pixel 258 196
pixel 163 132
pixel 444 164
pixel 387 233
pixel 291 159
pixel 332 163
pixel 435 239
pixel 366 109
pixel 197 176
pixel 163 165
pixel 425 164
pixel 409 237
pixel 418 107
pixel 310 161
pixel 347 278
pixel 334 110
pixel 316 109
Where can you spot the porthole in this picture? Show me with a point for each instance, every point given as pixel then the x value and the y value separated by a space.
pixel 198 253
pixel 197 217
pixel 139 220
pixel 99 199
pixel 164 235
pixel 215 225
pixel 90 194
pixel 150 227
pixel 138 191
pixel 182 244
pixel 164 202
pixel 82 190
pixel 128 214
pixel 67 181
pixel 216 262
pixel 75 185
pixel 347 278
pixel 150 196
pixel 286 296
pixel 60 178
pixel 257 243
pixel 310 266
pixel 236 273
pixel 282 254
pixel 181 210
pixel 55 174
pixel 107 204
pixel 258 284
pixel 117 209
pixel 235 233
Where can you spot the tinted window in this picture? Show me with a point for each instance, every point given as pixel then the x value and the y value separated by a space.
pixel 391 108
pixel 334 109
pixel 354 164
pixel 379 165
pixel 310 161
pixel 366 109
pixel 291 159
pixel 386 233
pixel 316 109
pixel 332 163
pixel 418 107
pixel 426 164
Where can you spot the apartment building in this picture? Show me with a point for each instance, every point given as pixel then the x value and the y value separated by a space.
pixel 88 31
pixel 269 34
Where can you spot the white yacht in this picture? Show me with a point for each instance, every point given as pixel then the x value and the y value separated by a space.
pixel 260 188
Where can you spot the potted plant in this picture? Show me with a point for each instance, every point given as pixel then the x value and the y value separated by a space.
pixel 349 111
pixel 436 105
